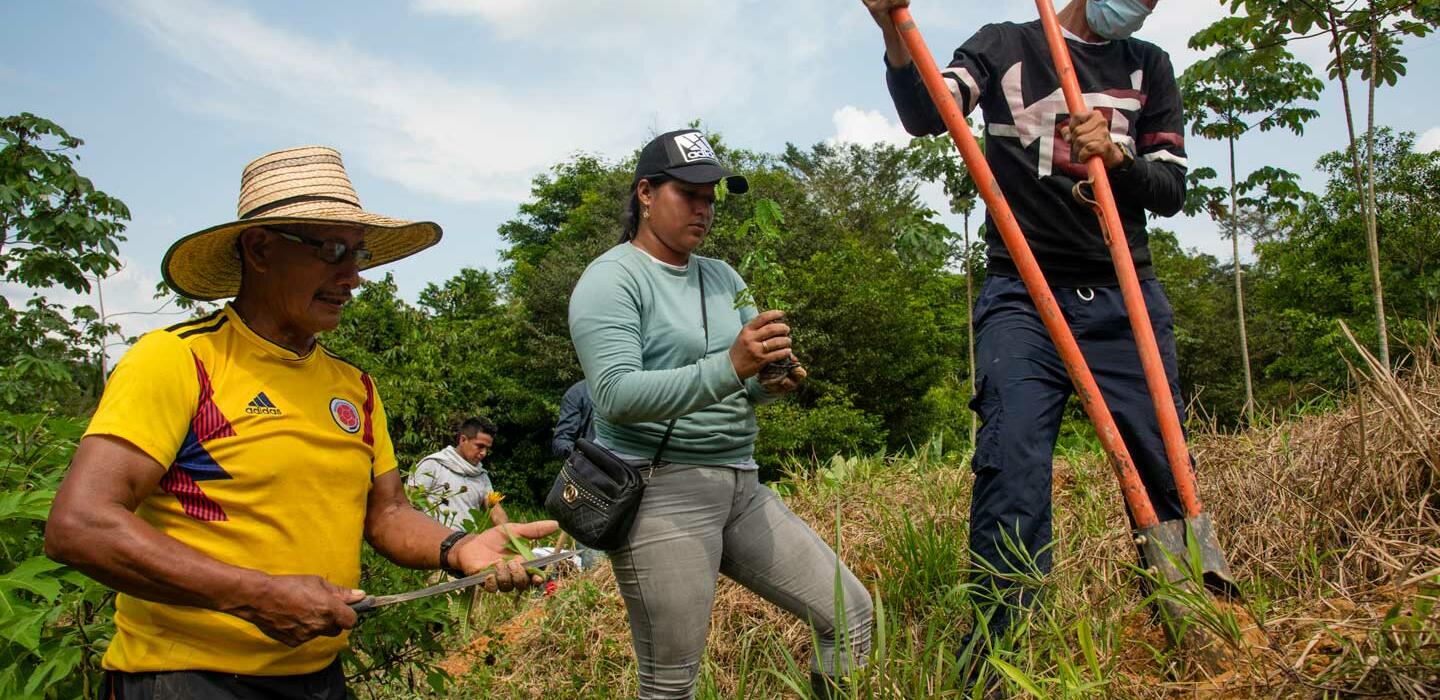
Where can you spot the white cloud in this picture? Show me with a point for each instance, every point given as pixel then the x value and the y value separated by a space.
pixel 866 127
pixel 869 127
pixel 130 300
pixel 673 61
pixel 1429 141
pixel 610 24
pixel 462 140
pixel 481 137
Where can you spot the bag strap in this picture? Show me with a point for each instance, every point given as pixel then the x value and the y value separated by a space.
pixel 705 324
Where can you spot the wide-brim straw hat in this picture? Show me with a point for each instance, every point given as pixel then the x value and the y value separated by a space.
pixel 305 185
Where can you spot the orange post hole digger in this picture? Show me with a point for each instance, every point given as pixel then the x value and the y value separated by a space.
pixel 1173 550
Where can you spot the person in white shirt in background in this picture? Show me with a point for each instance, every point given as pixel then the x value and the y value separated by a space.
pixel 454 480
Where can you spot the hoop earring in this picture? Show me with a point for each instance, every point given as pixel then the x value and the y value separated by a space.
pixel 645 213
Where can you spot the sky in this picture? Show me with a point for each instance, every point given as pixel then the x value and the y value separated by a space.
pixel 444 110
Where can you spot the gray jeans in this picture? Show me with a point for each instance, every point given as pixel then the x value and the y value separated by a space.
pixel 696 522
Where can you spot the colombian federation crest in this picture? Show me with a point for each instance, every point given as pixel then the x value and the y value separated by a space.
pixel 345 414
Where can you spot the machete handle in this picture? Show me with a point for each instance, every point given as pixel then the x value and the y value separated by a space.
pixel 363 605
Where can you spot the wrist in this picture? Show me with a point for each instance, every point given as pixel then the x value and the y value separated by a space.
pixel 1119 157
pixel 449 562
pixel 250 587
pixel 736 361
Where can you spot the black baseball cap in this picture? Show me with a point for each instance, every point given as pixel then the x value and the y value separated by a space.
pixel 685 155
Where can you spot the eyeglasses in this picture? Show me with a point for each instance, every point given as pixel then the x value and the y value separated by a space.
pixel 331 251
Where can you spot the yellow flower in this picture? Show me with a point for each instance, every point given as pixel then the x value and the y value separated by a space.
pixel 493 499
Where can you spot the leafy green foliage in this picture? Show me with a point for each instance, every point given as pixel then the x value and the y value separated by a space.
pixel 48 359
pixel 1349 26
pixel 762 271
pixel 794 432
pixel 54 622
pixel 1310 270
pixel 449 357
pixel 935 159
pixel 1313 270
pixel 56 229
pixel 392 645
pixel 1363 38
pixel 1250 83
pixel 1199 287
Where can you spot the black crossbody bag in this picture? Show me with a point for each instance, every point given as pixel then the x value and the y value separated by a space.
pixel 596 493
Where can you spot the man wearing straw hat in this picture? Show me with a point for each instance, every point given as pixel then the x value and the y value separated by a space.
pixel 1037 151
pixel 225 481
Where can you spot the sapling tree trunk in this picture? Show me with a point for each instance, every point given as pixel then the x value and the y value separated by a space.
pixel 1233 220
pixel 970 320
pixel 1372 237
pixel 1372 244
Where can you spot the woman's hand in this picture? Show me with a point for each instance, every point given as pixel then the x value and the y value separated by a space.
pixel 763 340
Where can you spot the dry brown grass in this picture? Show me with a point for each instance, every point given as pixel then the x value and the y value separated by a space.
pixel 1330 522
pixel 1337 514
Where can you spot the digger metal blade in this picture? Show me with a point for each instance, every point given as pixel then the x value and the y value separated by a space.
pixel 1166 551
pixel 1169 550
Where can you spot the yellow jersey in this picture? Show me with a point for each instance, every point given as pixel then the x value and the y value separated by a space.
pixel 269 458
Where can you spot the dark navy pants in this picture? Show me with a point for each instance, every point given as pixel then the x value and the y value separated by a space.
pixel 1021 391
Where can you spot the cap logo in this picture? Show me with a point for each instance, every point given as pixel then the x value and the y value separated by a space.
pixel 693 147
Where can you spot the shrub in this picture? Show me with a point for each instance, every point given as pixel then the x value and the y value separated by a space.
pixel 791 432
pixel 55 622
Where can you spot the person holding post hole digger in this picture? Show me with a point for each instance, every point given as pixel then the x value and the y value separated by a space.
pixel 1037 150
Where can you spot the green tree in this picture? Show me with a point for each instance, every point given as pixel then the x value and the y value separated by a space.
pixel 936 159
pixel 1198 286
pixel 1363 39
pixel 1314 270
pixel 48 357
pixel 56 621
pixel 56 229
pixel 1250 83
pixel 450 356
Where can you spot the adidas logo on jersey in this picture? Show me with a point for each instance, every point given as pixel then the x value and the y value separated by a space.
pixel 261 405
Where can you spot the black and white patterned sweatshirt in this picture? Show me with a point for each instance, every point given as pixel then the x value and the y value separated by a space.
pixel 1005 70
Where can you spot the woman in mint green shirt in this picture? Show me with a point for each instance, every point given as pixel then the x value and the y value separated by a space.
pixel 651 356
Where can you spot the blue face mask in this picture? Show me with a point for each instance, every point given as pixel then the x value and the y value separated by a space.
pixel 1116 19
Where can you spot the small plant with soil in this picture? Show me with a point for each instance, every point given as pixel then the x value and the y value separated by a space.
pixel 767 288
